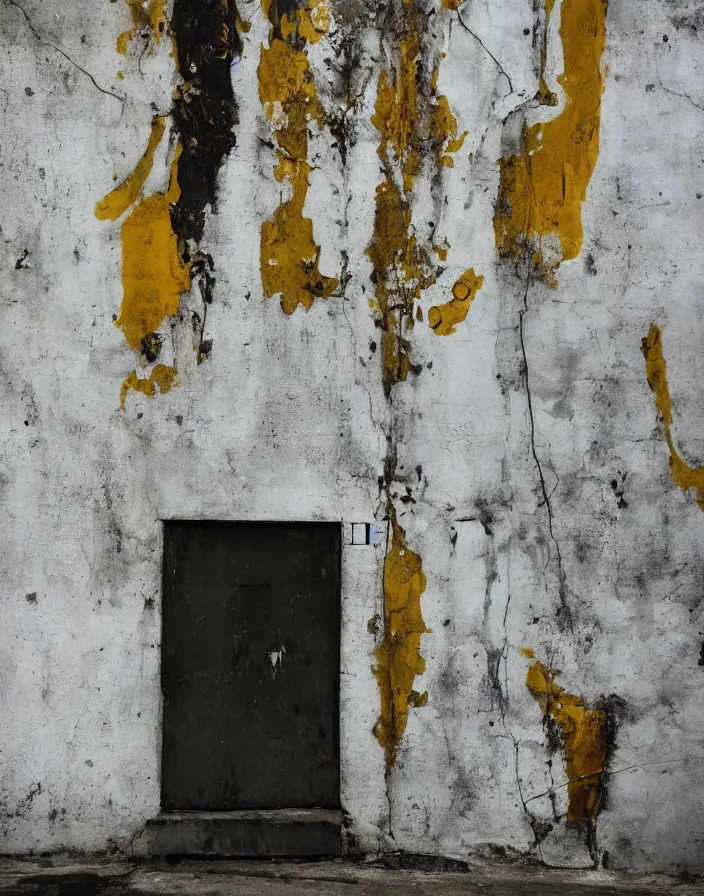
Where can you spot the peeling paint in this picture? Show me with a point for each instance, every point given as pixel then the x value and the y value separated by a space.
pixel 583 733
pixel 538 213
pixel 443 319
pixel 289 254
pixel 685 476
pixel 398 657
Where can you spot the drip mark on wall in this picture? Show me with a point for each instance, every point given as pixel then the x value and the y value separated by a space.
pixel 587 738
pixel 415 123
pixel 685 476
pixel 289 254
pixel 398 657
pixel 538 214
pixel 418 132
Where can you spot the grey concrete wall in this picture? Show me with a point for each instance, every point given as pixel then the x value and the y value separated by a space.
pixel 534 612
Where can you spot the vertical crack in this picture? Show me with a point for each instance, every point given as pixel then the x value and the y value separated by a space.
pixel 564 612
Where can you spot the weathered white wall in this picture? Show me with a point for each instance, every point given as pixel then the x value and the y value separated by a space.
pixel 288 419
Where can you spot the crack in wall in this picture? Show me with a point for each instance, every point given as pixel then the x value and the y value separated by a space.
pixel 564 612
pixel 37 36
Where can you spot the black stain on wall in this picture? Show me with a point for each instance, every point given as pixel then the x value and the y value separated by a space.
pixel 205 111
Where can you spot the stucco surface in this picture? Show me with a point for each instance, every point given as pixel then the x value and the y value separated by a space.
pixel 522 456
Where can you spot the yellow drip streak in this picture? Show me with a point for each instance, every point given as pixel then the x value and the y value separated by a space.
pixel 154 274
pixel 583 736
pixel 121 198
pixel 542 188
pixel 398 657
pixel 289 255
pixel 685 476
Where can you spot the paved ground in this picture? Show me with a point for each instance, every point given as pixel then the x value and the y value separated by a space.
pixel 52 877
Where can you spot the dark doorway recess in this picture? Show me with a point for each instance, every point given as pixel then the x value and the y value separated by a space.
pixel 251 666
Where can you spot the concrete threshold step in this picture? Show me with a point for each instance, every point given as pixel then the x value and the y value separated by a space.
pixel 260 833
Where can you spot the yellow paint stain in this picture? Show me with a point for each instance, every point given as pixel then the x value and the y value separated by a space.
pixel 685 476
pixel 444 318
pixel 154 274
pixel 289 255
pixel 452 4
pixel 160 379
pixel 413 120
pixel 583 735
pixel 398 657
pixel 146 16
pixel 443 124
pixel 121 198
pixel 538 214
pixel 527 652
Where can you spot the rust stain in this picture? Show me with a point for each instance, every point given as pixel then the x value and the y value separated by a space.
pixel 147 17
pixel 685 476
pixel 415 122
pixel 538 213
pixel 444 318
pixel 161 378
pixel 398 657
pixel 289 254
pixel 584 735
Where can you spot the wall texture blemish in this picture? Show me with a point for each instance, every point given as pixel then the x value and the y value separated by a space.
pixel 431 169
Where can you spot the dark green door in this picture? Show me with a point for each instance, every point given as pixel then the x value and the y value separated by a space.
pixel 250 666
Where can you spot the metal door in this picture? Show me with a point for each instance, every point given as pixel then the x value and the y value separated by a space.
pixel 250 665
